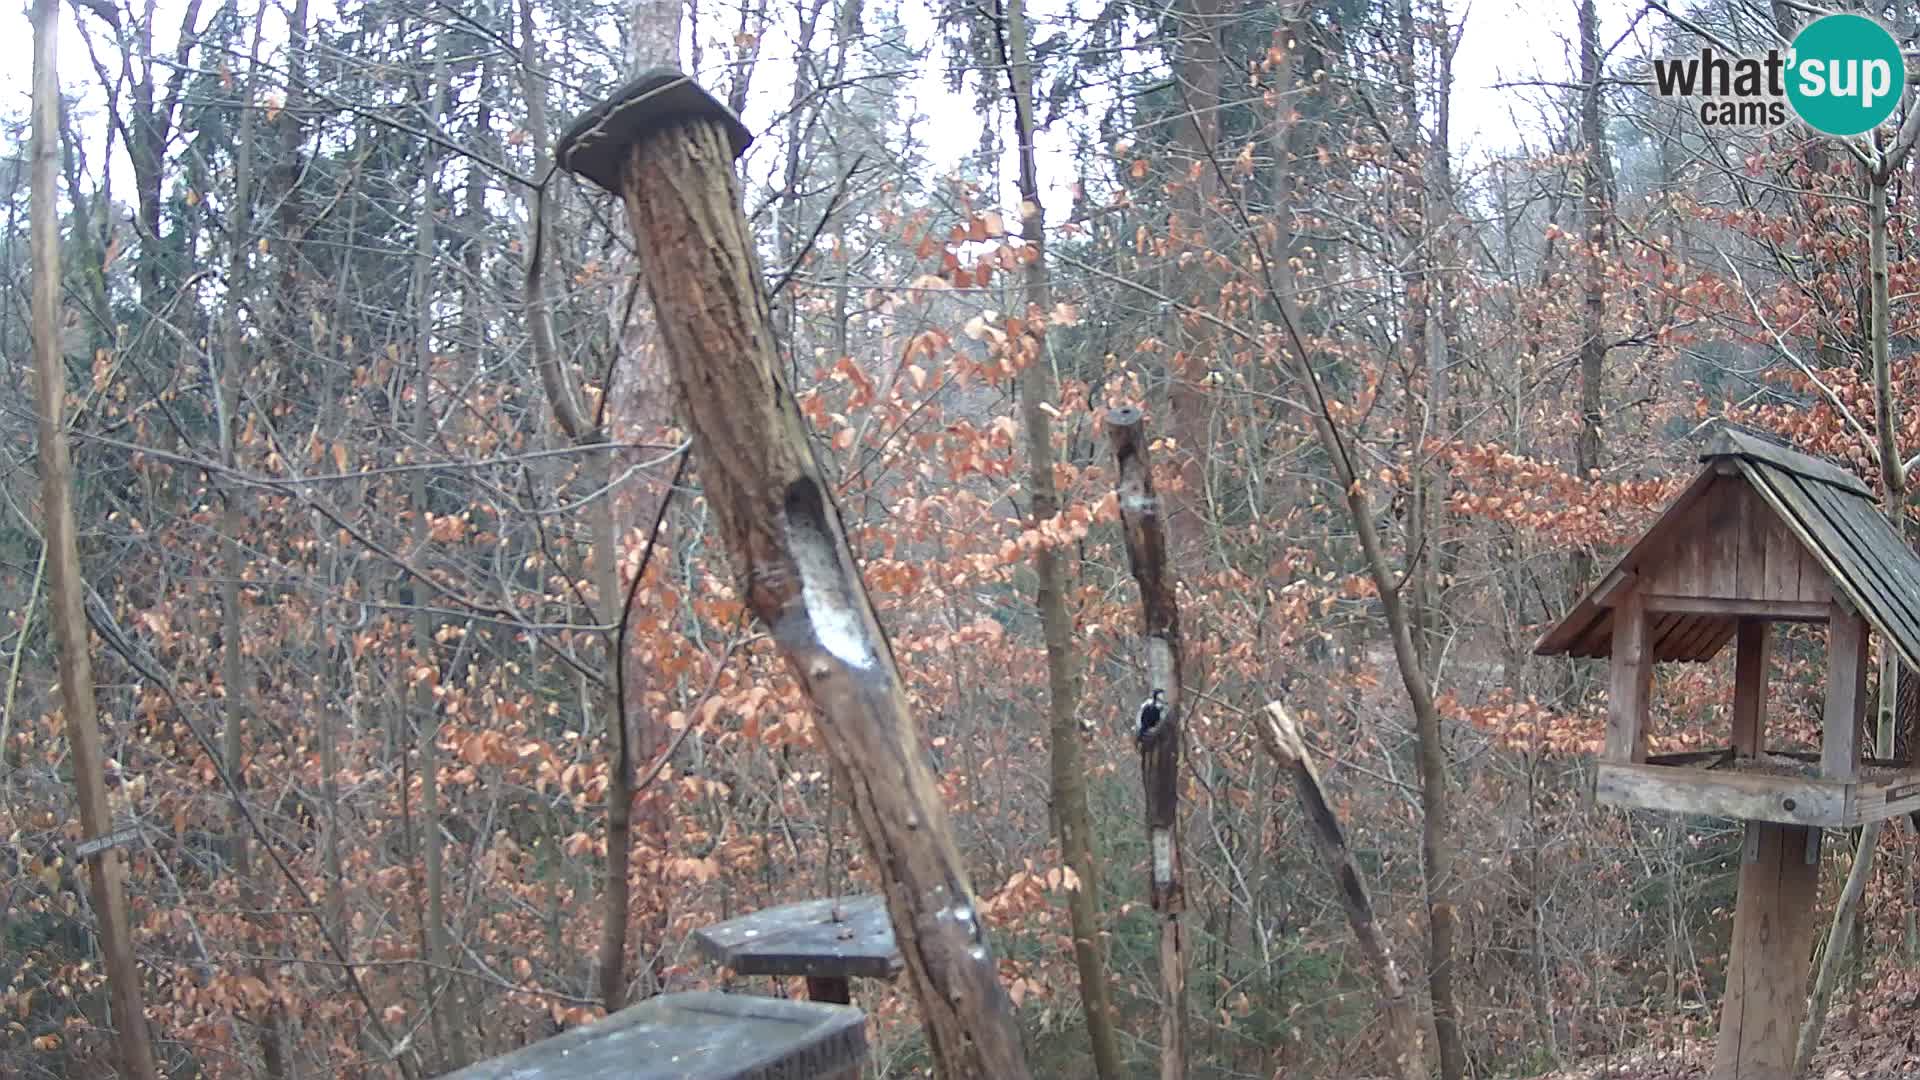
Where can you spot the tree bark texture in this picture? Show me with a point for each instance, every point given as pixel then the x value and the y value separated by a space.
pixel 1893 482
pixel 446 996
pixel 233 556
pixel 1594 209
pixel 796 572
pixel 1143 524
pixel 106 877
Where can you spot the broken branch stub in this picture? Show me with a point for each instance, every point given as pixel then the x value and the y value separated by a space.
pixel 1284 743
pixel 774 510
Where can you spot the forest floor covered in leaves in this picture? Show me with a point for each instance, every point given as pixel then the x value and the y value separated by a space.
pixel 1872 1037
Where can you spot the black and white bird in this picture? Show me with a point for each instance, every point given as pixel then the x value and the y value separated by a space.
pixel 1153 712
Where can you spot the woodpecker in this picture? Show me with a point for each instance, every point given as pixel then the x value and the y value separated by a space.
pixel 1153 712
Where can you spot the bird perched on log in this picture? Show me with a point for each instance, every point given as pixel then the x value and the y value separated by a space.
pixel 1153 713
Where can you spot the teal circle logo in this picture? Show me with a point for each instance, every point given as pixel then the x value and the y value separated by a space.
pixel 1845 74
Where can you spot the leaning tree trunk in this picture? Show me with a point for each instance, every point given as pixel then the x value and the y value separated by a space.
pixel 667 147
pixel 1281 736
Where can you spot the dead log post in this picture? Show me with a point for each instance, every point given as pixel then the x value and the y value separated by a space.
pixel 667 148
pixel 1143 523
pixel 1281 737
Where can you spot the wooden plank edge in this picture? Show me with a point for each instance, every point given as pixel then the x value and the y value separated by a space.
pixel 1681 790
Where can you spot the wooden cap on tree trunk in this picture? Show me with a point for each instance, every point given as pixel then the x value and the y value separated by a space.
pixel 596 145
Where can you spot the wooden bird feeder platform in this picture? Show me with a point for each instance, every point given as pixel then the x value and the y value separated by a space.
pixel 695 1036
pixel 1762 535
pixel 828 941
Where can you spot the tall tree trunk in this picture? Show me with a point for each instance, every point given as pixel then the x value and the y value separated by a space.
pixel 638 407
pixel 1596 184
pixel 448 1021
pixel 1893 480
pixel 106 877
pixel 1416 351
pixel 1070 814
pixel 1197 70
pixel 1436 846
pixel 653 34
pixel 233 527
pixel 1444 408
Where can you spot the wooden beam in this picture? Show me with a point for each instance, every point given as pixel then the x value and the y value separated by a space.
pixel 1846 694
pixel 1753 643
pixel 1776 610
pixel 1632 670
pixel 1772 945
pixel 1614 586
pixel 1895 796
pixel 1720 793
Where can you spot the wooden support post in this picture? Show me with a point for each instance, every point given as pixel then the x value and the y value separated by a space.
pixel 1772 945
pixel 1143 524
pixel 829 941
pixel 830 989
pixel 667 147
pixel 1632 686
pixel 1753 645
pixel 1846 694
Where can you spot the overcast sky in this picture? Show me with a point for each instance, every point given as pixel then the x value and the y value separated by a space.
pixel 1504 41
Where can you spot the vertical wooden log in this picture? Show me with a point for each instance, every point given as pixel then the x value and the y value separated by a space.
pixel 668 147
pixel 106 866
pixel 1753 646
pixel 1142 522
pixel 1772 945
pixel 1846 694
pixel 1632 674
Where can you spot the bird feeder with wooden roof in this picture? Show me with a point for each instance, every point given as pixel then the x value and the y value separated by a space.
pixel 1763 535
